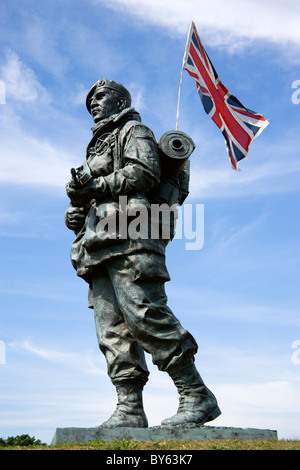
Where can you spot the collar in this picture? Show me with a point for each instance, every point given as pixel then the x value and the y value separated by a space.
pixel 114 120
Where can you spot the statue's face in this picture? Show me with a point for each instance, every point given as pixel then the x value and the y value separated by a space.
pixel 103 104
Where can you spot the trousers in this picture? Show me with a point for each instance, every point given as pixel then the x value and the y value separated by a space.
pixel 132 316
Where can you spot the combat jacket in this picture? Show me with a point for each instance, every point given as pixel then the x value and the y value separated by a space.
pixel 123 160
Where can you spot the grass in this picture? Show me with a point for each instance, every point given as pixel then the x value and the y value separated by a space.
pixel 132 445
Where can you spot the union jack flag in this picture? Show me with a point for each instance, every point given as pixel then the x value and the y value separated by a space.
pixel 239 125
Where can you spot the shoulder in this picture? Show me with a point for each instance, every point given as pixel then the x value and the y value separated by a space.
pixel 131 128
pixel 137 129
pixel 130 124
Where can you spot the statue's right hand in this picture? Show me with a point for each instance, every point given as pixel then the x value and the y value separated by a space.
pixel 75 217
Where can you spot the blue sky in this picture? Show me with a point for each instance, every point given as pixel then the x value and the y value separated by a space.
pixel 238 295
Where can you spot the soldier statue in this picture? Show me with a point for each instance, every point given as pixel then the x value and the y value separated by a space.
pixel 126 275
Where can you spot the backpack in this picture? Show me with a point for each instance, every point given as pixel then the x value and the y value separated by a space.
pixel 175 148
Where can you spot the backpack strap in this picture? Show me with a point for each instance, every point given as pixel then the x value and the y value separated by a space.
pixel 115 145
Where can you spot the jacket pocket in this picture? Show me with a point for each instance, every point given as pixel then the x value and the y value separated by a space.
pixel 102 226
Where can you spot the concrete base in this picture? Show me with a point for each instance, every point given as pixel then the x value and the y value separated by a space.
pixel 158 433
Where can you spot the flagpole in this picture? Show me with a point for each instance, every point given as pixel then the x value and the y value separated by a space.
pixel 178 103
pixel 182 68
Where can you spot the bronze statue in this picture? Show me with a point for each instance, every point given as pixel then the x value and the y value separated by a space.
pixel 126 275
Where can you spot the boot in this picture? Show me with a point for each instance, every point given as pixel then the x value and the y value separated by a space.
pixel 129 411
pixel 197 404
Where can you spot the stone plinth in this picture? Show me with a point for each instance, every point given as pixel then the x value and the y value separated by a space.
pixel 158 433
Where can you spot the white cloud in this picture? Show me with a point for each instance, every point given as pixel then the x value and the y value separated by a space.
pixel 137 92
pixel 262 405
pixel 39 139
pixel 29 161
pixel 78 96
pixel 233 26
pixel 264 172
pixel 27 158
pixel 81 360
pixel 42 36
pixel 21 82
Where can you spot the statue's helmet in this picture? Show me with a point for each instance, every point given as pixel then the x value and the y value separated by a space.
pixel 110 84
